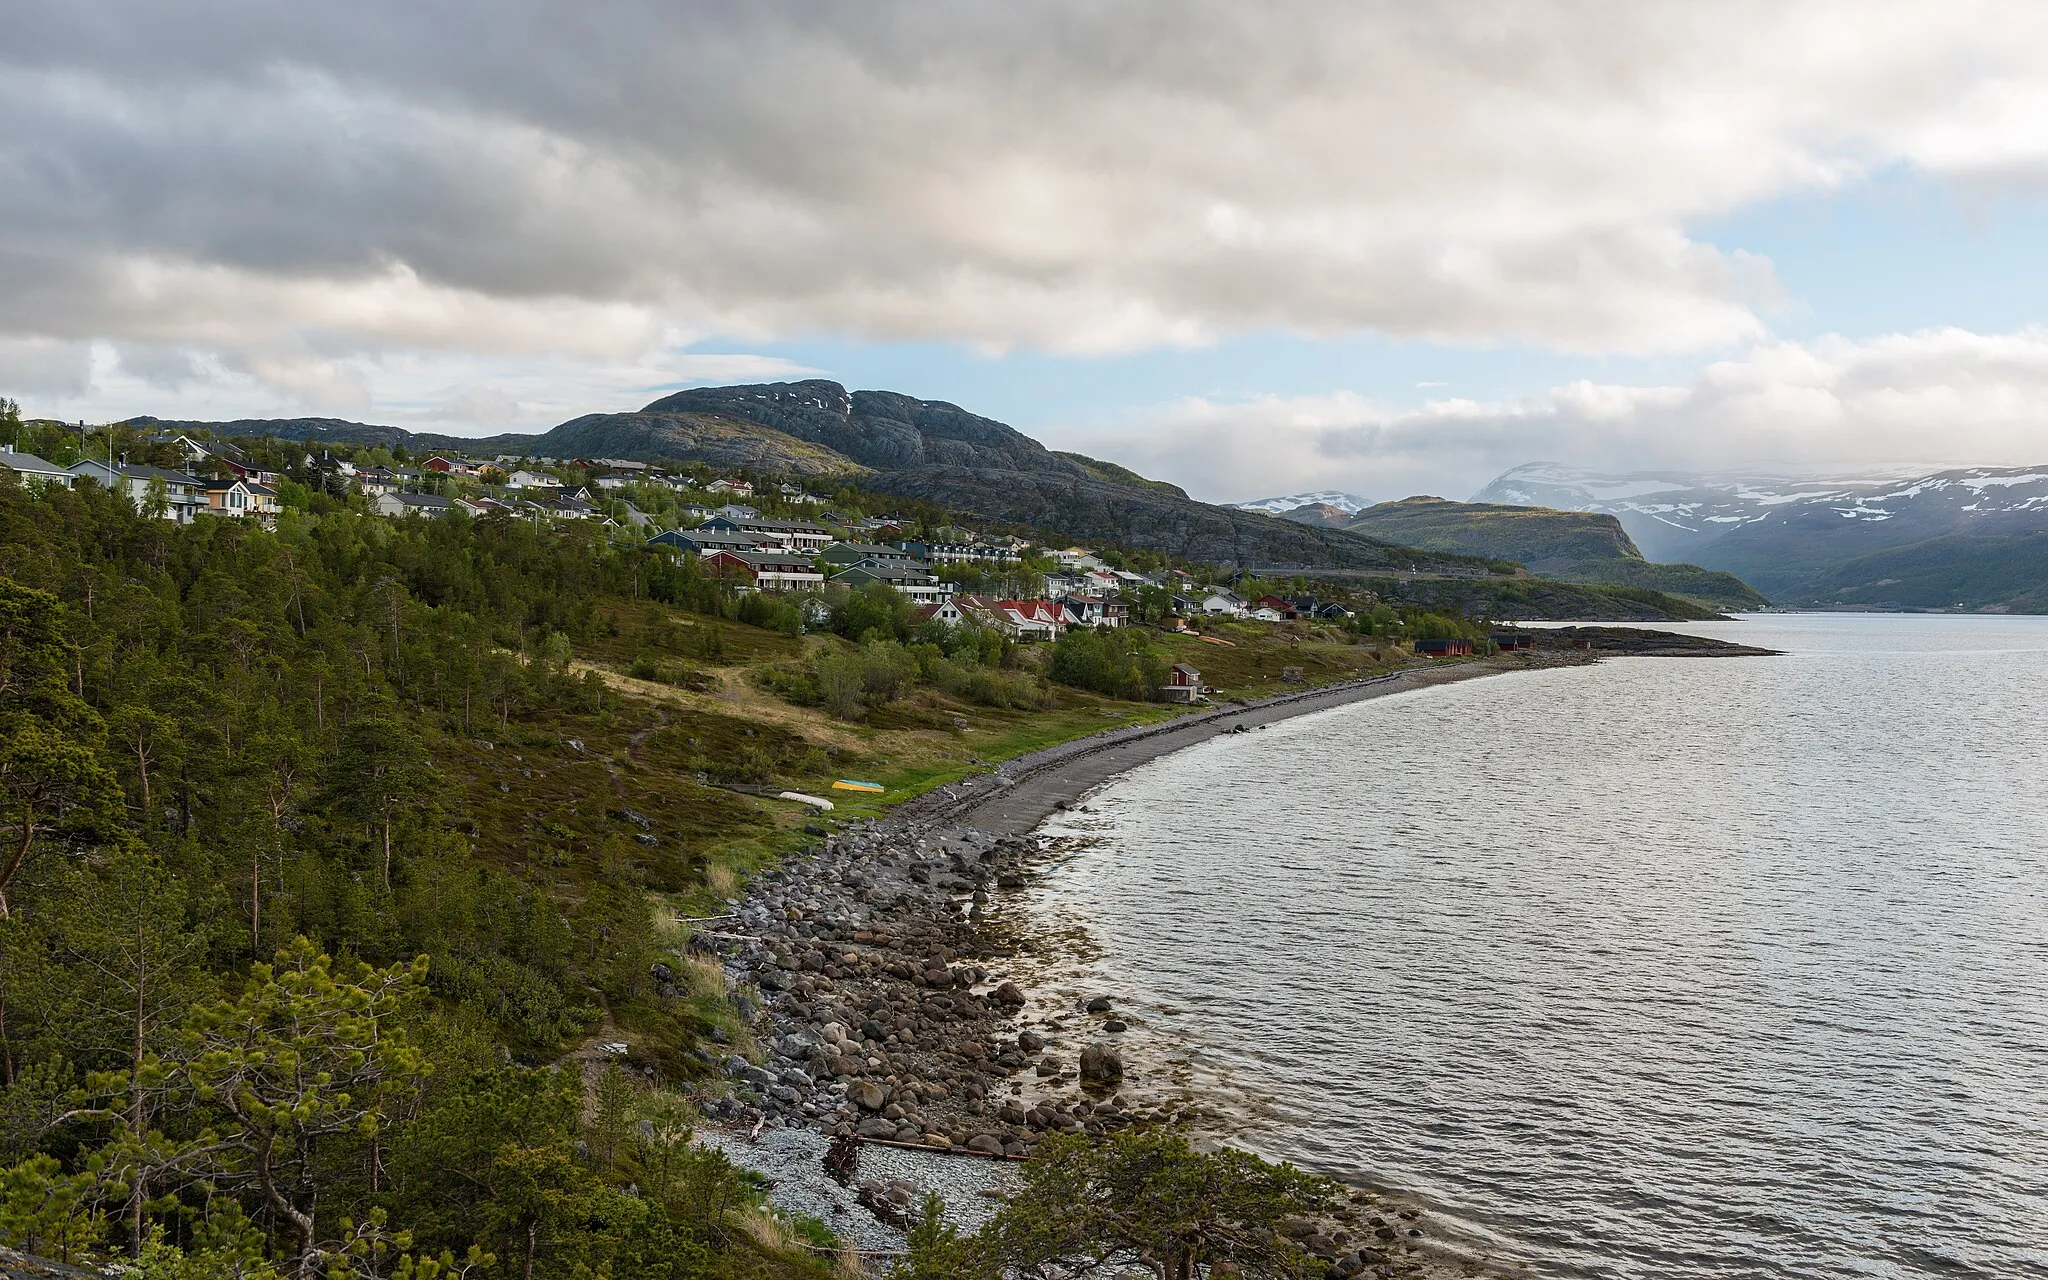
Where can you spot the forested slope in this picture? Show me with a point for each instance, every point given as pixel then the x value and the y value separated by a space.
pixel 354 746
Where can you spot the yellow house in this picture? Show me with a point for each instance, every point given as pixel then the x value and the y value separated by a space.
pixel 242 498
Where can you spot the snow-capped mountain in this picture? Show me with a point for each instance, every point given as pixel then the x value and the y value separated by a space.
pixel 1671 515
pixel 1349 503
pixel 1788 535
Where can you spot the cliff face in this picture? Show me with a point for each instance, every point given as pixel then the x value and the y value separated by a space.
pixel 1573 546
pixel 878 429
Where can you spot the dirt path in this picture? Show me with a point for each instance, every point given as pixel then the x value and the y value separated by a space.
pixel 732 698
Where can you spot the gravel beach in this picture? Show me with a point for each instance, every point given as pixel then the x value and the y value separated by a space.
pixel 878 972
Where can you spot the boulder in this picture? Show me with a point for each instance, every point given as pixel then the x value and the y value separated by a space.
pixel 867 1095
pixel 1101 1064
pixel 986 1143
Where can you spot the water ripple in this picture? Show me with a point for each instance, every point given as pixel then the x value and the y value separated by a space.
pixel 1660 968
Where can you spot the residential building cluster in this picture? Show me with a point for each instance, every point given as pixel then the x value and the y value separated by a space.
pixel 733 541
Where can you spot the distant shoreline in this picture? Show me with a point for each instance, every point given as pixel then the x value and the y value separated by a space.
pixel 1014 798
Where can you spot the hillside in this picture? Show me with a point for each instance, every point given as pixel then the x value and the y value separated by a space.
pixel 1116 474
pixel 514 765
pixel 912 448
pixel 1572 546
pixel 1962 538
pixel 1997 573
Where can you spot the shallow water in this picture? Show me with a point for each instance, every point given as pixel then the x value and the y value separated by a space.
pixel 1663 967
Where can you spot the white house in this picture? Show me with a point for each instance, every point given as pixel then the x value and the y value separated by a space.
pixel 523 479
pixel 1223 604
pixel 411 504
pixel 33 470
pixel 184 496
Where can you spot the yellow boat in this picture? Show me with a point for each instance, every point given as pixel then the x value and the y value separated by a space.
pixel 848 784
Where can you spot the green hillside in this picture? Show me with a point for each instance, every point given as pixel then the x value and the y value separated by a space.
pixel 1115 474
pixel 1571 546
pixel 2005 573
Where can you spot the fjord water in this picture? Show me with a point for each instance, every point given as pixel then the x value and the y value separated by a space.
pixel 1657 968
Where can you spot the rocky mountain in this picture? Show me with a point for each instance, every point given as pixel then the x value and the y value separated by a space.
pixel 1963 538
pixel 1572 546
pixel 1349 503
pixel 1322 514
pixel 923 449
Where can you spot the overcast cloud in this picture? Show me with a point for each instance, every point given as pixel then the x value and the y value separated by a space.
pixel 393 202
pixel 1907 401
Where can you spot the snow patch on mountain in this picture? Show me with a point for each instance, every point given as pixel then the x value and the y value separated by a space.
pixel 1673 515
pixel 1349 503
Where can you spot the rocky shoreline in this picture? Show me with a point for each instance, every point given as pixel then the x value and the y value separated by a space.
pixel 879 972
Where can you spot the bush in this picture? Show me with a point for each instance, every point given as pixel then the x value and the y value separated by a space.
pixel 988 687
pixel 1116 664
pixel 875 611
pixel 649 666
pixel 771 613
pixel 792 683
pixel 848 684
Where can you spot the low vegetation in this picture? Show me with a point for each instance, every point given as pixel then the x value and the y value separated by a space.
pixel 334 851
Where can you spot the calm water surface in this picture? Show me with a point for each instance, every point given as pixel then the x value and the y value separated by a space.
pixel 1663 967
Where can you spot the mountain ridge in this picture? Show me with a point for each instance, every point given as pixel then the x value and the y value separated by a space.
pixel 927 449
pixel 1818 542
pixel 1589 548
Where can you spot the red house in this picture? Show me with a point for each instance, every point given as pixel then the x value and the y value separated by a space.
pixel 1444 648
pixel 1183 684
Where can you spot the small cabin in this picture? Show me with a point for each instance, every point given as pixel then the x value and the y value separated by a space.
pixel 1444 648
pixel 1183 684
pixel 1513 641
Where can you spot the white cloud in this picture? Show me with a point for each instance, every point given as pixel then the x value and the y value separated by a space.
pixel 385 203
pixel 1940 397
pixel 426 390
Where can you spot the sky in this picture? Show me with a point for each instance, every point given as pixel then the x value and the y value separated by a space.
pixel 1388 248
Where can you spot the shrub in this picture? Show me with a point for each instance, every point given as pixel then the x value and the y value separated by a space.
pixel 1112 663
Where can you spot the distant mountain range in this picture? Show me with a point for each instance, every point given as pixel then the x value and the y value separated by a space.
pixel 1348 503
pixel 1570 546
pixel 1971 538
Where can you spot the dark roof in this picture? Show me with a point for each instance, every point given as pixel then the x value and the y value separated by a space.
pixel 158 473
pixel 867 550
pixel 888 573
pixel 30 464
pixel 774 560
pixel 697 540
pixel 773 526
